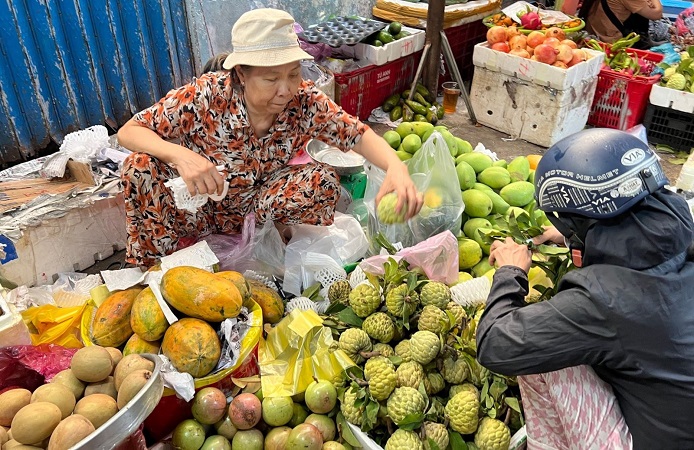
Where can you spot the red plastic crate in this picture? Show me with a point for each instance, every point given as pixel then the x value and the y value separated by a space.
pixel 462 40
pixel 620 100
pixel 361 91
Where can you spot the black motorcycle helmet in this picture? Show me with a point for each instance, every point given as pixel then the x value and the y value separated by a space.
pixel 593 175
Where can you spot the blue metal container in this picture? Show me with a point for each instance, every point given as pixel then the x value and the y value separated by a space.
pixel 66 65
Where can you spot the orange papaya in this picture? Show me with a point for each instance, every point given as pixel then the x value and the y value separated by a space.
pixel 146 318
pixel 111 327
pixel 269 301
pixel 201 294
pixel 138 345
pixel 192 346
pixel 240 283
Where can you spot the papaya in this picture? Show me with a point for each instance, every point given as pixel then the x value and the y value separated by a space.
pixel 200 294
pixel 147 319
pixel 269 301
pixel 192 346
pixel 111 327
pixel 138 345
pixel 240 283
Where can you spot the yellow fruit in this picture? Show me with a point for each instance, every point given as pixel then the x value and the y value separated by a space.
pixel 386 209
pixel 469 253
pixel 433 198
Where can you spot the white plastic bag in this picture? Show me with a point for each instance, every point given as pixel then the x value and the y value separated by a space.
pixel 343 242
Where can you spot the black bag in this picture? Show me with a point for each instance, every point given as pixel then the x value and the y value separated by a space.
pixel 635 23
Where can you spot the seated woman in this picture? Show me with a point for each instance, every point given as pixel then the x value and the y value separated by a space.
pixel 611 20
pixel 251 120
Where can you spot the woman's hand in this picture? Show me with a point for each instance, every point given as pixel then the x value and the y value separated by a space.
pixel 509 253
pixel 551 234
pixel 199 173
pixel 398 180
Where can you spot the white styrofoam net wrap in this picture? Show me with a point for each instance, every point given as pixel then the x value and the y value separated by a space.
pixel 79 145
pixel 327 276
pixel 471 293
pixel 253 275
pixel 304 304
pixel 188 202
pixel 356 277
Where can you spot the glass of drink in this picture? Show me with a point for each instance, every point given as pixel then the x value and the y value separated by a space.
pixel 451 92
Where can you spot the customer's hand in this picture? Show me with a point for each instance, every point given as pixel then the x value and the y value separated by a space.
pixel 398 180
pixel 509 253
pixel 199 173
pixel 551 234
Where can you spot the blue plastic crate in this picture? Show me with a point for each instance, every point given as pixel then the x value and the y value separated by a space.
pixel 671 8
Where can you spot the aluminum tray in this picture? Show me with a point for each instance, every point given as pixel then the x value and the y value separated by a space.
pixel 128 419
pixel 321 152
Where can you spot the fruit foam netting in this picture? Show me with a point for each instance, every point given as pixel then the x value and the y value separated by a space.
pixel 253 275
pixel 356 277
pixel 305 303
pixel 471 293
pixel 327 276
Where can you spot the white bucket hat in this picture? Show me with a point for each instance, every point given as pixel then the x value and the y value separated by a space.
pixel 264 37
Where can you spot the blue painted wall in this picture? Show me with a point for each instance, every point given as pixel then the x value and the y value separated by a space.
pixel 68 64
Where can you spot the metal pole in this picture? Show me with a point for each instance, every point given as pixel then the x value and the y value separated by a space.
pixel 455 73
pixel 434 26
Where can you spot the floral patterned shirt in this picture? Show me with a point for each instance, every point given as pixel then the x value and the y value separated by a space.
pixel 209 116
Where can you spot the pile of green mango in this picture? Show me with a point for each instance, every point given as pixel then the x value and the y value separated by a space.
pixel 408 138
pixel 391 33
pixel 422 108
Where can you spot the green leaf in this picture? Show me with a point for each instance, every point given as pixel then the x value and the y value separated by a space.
pixel 456 441
pixel 512 403
pixel 370 415
pixel 491 412
pixel 497 388
pixel 433 445
pixel 472 446
pixel 551 250
pixel 412 421
pixel 346 432
pixel 334 308
pixel 348 316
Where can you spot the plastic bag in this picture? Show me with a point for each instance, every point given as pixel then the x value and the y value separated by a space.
pixel 29 367
pixel 258 249
pixel 685 22
pixel 295 352
pixel 436 256
pixel 55 325
pixel 341 243
pixel 443 205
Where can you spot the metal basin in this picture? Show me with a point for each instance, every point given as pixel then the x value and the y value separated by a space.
pixel 128 419
pixel 344 163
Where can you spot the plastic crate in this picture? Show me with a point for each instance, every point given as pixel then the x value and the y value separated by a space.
pixel 361 91
pixel 620 100
pixel 462 40
pixel 670 127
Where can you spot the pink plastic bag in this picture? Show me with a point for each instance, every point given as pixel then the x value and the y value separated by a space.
pixel 29 367
pixel 436 256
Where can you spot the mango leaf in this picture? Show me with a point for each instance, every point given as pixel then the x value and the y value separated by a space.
pixel 346 432
pixel 512 403
pixel 456 441
pixel 348 316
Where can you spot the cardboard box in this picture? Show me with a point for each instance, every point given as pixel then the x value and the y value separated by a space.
pixel 69 243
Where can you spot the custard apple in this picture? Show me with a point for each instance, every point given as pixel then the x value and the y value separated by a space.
pixel 435 383
pixel 670 71
pixel 386 209
pixel 338 292
pixel 677 81
pixel 402 349
pixel 458 312
pixel 384 350
pixel 433 319
pixel 437 433
pixel 463 387
pixel 492 434
pixel 435 293
pixel 455 371
pixel 354 341
pixel 403 440
pixel 365 299
pixel 400 299
pixel 353 414
pixel 380 373
pixel 379 327
pixel 410 374
pixel 462 412
pixel 424 347
pixel 403 402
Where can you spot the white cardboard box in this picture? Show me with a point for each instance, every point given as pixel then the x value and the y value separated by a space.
pixel 72 242
pixel 535 71
pixel 670 98
pixel 392 51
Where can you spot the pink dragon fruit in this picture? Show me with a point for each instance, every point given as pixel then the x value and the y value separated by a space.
pixel 530 20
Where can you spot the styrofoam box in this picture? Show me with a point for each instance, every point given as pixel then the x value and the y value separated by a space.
pixel 72 242
pixel 392 51
pixel 526 110
pixel 671 98
pixel 535 71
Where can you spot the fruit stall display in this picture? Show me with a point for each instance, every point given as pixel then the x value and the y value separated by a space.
pixel 530 21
